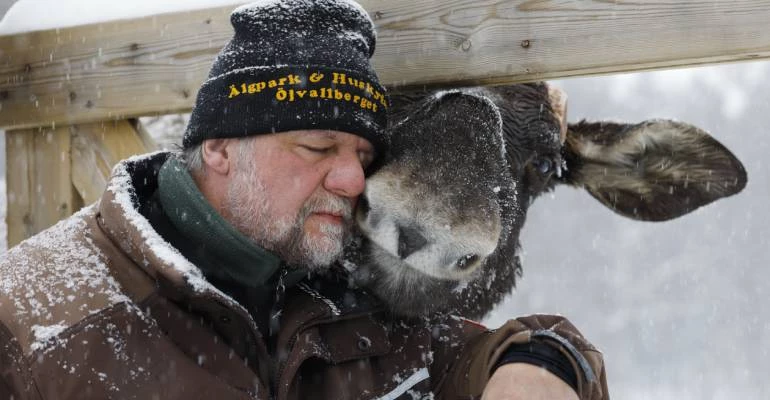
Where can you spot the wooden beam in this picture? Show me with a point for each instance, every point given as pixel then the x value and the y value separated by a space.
pixel 155 64
pixel 39 190
pixel 97 147
pixel 52 172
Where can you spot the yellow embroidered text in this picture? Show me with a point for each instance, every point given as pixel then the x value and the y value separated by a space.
pixel 256 87
pixel 324 93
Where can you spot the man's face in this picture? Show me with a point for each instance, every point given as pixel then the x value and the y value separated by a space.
pixel 293 193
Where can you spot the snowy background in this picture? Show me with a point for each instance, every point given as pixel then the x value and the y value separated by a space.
pixel 678 307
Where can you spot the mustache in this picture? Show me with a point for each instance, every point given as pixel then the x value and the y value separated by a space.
pixel 329 204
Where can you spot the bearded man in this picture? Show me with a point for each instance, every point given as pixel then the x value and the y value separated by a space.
pixel 206 274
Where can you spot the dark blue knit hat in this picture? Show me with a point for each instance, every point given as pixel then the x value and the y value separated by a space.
pixel 293 64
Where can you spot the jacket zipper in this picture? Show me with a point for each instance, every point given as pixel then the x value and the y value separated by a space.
pixel 274 326
pixel 289 347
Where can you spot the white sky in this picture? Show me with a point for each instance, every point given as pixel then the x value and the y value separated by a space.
pixel 26 15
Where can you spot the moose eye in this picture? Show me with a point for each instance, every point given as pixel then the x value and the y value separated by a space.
pixel 467 261
pixel 543 165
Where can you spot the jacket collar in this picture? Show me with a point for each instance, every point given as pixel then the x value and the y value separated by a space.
pixel 134 179
pixel 317 301
pixel 178 279
pixel 212 243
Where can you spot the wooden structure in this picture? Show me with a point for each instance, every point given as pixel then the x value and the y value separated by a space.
pixel 67 95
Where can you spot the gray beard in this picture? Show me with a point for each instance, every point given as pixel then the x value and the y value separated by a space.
pixel 252 215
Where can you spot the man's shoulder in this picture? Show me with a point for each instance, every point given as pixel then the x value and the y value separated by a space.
pixel 54 280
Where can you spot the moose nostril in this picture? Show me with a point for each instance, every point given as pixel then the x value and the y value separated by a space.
pixel 363 205
pixel 364 214
pixel 467 261
pixel 409 241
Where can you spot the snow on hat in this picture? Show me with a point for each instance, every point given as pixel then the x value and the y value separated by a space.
pixel 293 64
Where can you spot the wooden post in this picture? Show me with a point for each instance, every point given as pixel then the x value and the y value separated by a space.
pixel 52 173
pixel 97 147
pixel 39 189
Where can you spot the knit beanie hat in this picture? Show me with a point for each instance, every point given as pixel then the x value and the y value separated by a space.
pixel 293 64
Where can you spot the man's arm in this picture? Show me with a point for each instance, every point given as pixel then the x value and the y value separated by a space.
pixel 482 363
pixel 520 381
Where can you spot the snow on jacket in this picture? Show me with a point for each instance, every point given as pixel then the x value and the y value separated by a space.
pixel 99 306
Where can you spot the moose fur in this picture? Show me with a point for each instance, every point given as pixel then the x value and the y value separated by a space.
pixel 441 218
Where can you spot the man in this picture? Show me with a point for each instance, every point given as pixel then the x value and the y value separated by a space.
pixel 207 275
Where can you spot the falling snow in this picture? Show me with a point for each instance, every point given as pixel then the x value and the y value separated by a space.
pixel 676 317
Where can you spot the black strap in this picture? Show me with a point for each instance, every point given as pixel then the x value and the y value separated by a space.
pixel 544 356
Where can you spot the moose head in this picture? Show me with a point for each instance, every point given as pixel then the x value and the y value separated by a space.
pixel 440 219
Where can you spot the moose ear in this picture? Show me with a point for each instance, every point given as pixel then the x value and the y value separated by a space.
pixel 653 171
pixel 402 104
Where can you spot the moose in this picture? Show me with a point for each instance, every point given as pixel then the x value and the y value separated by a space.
pixel 440 218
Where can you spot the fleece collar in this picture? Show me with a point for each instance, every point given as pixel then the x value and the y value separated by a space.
pixel 224 252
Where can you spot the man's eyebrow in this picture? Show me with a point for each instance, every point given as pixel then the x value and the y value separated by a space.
pixel 321 134
pixel 329 134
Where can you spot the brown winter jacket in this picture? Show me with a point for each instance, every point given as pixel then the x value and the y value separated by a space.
pixel 99 306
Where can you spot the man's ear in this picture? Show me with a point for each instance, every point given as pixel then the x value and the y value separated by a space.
pixel 217 155
pixel 654 171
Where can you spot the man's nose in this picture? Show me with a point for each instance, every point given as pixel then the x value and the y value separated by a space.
pixel 346 178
